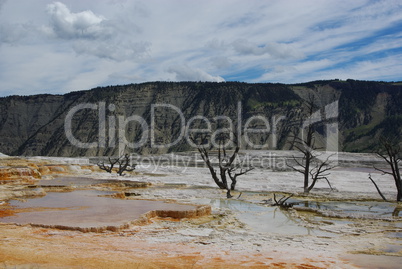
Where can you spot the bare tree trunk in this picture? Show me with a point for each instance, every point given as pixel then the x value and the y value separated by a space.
pixel 233 185
pixel 306 174
pixel 108 168
pixel 398 181
pixel 226 165
pixel 310 166
pixel 123 162
pixel 124 165
pixel 396 211
pixel 378 189
pixel 205 157
pixel 391 154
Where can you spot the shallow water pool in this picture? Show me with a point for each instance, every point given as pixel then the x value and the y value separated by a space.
pixel 84 208
pixel 264 219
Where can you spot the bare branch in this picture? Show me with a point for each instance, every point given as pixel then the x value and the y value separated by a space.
pixel 390 153
pixel 123 162
pixel 378 189
pixel 282 202
pixel 226 163
pixel 124 165
pixel 382 171
pixel 107 168
pixel 328 182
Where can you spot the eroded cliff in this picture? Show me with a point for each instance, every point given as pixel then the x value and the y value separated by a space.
pixel 147 116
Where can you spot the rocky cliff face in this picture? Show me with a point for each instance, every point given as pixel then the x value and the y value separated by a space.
pixel 145 117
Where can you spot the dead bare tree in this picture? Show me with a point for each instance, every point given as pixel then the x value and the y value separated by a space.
pixel 311 164
pixel 123 163
pixel 390 152
pixel 108 168
pixel 229 166
pixel 282 202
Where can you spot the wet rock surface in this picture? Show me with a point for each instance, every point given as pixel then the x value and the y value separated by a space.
pixel 326 229
pixel 91 211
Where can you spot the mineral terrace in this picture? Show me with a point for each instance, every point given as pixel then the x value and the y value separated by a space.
pixel 67 213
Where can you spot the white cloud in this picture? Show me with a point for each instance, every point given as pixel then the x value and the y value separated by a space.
pixel 273 49
pixel 2 3
pixel 295 72
pixel 216 44
pixel 68 25
pixel 388 69
pixel 113 49
pixel 221 62
pixel 95 35
pixel 13 33
pixel 43 72
pixel 70 45
pixel 186 73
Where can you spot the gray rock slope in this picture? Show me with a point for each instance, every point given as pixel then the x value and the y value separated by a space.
pixel 156 113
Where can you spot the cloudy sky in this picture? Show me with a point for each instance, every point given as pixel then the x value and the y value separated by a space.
pixel 68 45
